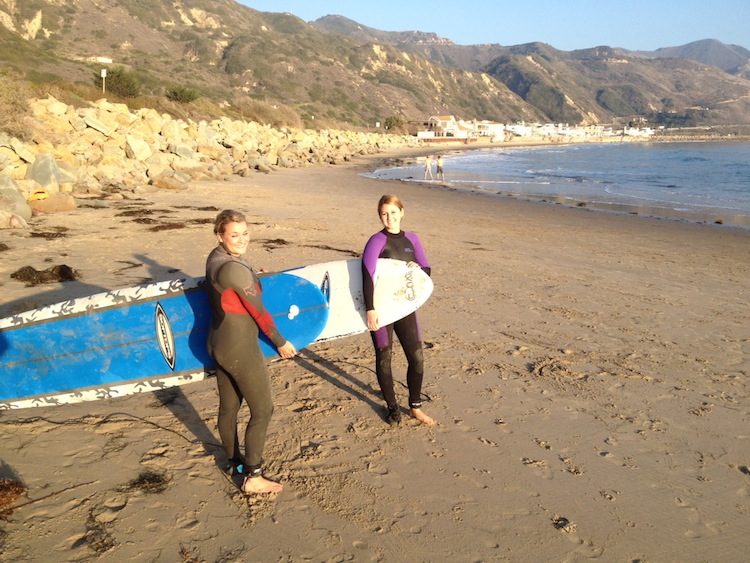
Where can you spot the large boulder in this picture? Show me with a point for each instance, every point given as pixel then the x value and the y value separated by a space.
pixel 55 203
pixel 137 149
pixel 45 172
pixel 12 201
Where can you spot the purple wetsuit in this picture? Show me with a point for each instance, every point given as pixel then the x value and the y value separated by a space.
pixel 407 247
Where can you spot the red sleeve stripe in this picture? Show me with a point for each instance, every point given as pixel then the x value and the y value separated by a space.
pixel 233 303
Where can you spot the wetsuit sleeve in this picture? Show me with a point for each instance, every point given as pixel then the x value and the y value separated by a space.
pixel 243 295
pixel 370 256
pixel 419 254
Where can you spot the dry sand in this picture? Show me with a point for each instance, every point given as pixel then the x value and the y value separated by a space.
pixel 588 371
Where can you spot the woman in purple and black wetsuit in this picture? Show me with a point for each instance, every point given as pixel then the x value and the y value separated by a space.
pixel 237 314
pixel 394 243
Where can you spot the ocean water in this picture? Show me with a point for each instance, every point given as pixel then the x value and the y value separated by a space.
pixel 695 181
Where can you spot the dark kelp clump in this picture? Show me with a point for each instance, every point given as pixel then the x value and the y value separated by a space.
pixel 10 490
pixel 31 276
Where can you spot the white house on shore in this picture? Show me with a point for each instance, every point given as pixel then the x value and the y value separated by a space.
pixel 440 126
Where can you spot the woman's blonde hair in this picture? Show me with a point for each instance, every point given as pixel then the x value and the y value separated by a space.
pixel 225 217
pixel 390 200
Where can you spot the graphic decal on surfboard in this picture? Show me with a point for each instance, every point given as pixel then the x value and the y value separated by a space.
pixel 165 336
pixel 325 286
pixel 409 293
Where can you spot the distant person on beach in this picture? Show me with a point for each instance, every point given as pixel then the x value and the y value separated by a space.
pixel 392 242
pixel 440 174
pixel 237 314
pixel 428 168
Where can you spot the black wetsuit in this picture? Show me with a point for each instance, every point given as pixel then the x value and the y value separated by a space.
pixel 407 247
pixel 234 293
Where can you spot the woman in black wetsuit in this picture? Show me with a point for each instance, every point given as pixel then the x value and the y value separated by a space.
pixel 237 313
pixel 394 243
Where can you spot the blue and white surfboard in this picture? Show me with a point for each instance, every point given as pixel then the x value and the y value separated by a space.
pixel 131 340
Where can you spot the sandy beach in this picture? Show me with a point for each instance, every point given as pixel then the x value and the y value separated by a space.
pixel 588 372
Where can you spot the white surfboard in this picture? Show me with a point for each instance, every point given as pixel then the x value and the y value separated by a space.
pixel 399 291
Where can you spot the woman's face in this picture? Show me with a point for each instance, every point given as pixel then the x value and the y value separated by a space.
pixel 390 216
pixel 235 238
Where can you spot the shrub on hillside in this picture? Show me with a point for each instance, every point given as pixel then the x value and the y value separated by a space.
pixel 120 82
pixel 181 94
pixel 14 104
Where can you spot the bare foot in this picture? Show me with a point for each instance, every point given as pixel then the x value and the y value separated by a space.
pixel 260 485
pixel 422 417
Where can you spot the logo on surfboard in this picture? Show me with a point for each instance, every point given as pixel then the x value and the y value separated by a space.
pixel 164 336
pixel 409 278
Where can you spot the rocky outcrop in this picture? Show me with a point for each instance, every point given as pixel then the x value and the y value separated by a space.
pixel 105 147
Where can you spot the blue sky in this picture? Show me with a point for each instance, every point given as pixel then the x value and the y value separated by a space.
pixel 564 24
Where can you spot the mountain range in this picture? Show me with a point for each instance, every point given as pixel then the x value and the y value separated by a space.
pixel 336 72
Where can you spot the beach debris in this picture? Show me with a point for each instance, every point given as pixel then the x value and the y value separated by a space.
pixel 97 535
pixel 149 482
pixel 272 244
pixel 57 232
pixel 167 227
pixel 562 523
pixel 10 490
pixel 32 277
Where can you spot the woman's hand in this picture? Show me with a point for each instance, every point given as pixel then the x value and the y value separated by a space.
pixel 287 350
pixel 373 323
pixel 413 265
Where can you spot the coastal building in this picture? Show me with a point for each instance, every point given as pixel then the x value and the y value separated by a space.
pixel 489 129
pixel 438 126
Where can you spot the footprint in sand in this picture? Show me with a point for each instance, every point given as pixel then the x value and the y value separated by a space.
pixel 542 443
pixel 187 521
pixel 702 410
pixel 117 502
pixel 377 469
pixel 159 451
pixel 460 423
pixel 540 466
pixel 570 467
pixel 106 516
